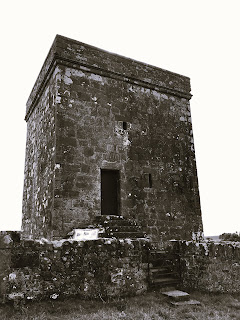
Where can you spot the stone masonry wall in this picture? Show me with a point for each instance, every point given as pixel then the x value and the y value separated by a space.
pixel 91 110
pixel 210 267
pixel 5 262
pixel 38 194
pixel 104 268
pixel 158 141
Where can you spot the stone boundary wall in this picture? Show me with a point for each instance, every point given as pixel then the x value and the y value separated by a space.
pixel 210 266
pixel 103 268
pixel 106 268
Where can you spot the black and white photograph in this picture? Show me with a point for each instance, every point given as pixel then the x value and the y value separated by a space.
pixel 119 160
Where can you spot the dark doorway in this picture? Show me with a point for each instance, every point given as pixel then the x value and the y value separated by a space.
pixel 110 192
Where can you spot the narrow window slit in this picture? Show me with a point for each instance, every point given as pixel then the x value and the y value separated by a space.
pixel 150 180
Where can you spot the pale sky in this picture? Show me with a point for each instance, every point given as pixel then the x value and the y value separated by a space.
pixel 199 39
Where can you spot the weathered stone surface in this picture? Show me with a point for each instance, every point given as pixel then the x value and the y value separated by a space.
pixel 6 244
pixel 91 110
pixel 92 269
pixel 41 269
pixel 210 266
pixel 177 295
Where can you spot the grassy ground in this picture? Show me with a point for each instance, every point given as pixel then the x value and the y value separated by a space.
pixel 151 306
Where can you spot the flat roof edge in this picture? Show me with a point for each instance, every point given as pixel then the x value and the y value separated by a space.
pixel 75 53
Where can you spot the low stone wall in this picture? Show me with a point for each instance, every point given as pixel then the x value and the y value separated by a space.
pixel 210 266
pixel 104 268
pixel 36 270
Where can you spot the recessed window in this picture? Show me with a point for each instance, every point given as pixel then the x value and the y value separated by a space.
pixel 147 180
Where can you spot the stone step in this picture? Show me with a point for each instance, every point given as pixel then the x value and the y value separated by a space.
pixel 102 218
pixel 122 228
pixel 118 227
pixel 158 270
pixel 180 298
pixel 162 253
pixel 164 281
pixel 119 223
pixel 123 235
pixel 177 295
pixel 157 252
pixel 159 275
pixel 115 223
pixel 154 257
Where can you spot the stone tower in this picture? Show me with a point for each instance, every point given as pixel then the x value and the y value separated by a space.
pixel 108 135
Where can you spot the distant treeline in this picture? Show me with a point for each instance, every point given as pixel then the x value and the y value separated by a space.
pixel 230 236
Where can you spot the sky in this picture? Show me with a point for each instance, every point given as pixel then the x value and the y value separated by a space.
pixel 199 39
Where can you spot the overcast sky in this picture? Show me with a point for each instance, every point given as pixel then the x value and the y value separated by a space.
pixel 199 39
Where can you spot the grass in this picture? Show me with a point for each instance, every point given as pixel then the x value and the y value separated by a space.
pixel 151 306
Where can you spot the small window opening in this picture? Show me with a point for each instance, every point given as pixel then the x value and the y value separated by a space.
pixel 124 125
pixel 150 180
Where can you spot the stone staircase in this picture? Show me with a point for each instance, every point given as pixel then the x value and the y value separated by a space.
pixel 118 227
pixel 163 269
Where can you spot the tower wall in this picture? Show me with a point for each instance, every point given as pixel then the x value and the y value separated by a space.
pixel 38 193
pixel 97 110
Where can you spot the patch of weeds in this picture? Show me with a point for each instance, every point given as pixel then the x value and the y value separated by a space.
pixel 59 307
pixel 185 313
pixel 150 306
pixel 164 314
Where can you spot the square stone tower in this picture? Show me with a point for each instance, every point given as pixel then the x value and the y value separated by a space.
pixel 108 135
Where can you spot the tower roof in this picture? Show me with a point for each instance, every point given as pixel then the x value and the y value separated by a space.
pixel 86 57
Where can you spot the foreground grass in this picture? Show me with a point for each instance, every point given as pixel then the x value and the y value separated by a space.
pixel 150 306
